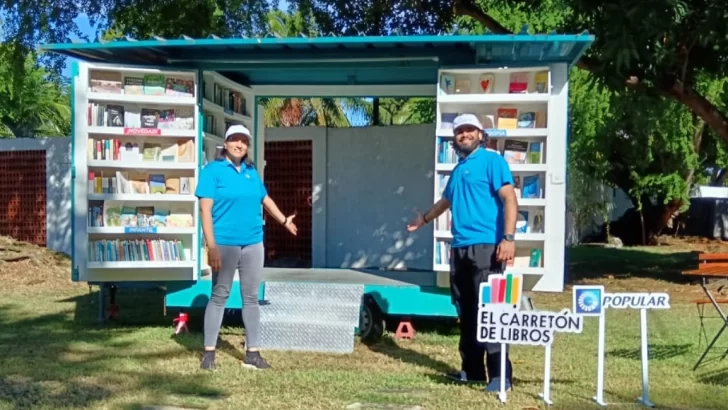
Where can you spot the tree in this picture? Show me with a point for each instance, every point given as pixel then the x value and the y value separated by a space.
pixel 34 106
pixel 654 47
pixel 197 19
pixel 27 23
pixel 655 150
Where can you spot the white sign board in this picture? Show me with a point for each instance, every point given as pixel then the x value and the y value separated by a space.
pixel 594 301
pixel 501 321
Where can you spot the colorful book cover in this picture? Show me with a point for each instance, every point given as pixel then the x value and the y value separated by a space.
pixel 133 85
pixel 514 151
pixel 519 83
pixel 527 119
pixel 522 222
pixel 112 213
pixel 542 81
pixel 507 118
pixel 447 84
pixel 531 187
pixel 462 86
pixel 128 216
pixel 157 184
pixel 534 152
pixel 154 84
pixel 487 82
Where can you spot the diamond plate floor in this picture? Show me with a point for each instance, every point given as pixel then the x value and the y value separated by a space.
pixel 315 317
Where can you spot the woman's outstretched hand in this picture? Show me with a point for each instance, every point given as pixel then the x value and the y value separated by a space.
pixel 290 226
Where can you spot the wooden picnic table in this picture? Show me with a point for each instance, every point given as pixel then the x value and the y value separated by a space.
pixel 711 266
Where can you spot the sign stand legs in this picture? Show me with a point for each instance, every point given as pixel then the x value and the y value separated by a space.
pixel 599 398
pixel 502 394
pixel 645 399
pixel 546 395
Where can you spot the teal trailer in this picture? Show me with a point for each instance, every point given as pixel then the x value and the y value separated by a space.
pixel 126 139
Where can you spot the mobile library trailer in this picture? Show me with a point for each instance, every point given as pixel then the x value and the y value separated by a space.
pixel 148 115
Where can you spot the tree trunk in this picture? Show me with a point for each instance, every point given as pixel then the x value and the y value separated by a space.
pixel 685 95
pixel 700 106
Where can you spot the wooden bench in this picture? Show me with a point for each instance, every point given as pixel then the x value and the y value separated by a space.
pixel 710 266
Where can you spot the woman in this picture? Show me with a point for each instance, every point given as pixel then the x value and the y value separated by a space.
pixel 231 192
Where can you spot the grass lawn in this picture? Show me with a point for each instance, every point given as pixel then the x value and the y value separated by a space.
pixel 55 356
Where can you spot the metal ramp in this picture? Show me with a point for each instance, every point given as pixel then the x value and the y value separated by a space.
pixel 310 316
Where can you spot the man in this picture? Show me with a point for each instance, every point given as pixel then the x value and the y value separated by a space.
pixel 484 206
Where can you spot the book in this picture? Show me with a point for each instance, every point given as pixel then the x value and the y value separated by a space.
pixel 527 119
pixel 447 84
pixel 462 86
pixel 103 81
pixel 531 186
pixel 115 117
pixel 157 184
pixel 534 152
pixel 154 84
pixel 487 82
pixel 133 85
pixel 522 221
pixel 514 151
pixel 149 118
pixel 542 80
pixel 507 118
pixel 519 83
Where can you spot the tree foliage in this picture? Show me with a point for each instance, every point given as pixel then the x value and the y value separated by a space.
pixel 35 106
pixel 656 47
pixel 655 150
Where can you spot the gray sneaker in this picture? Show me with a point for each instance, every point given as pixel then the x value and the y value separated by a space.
pixel 253 360
pixel 208 360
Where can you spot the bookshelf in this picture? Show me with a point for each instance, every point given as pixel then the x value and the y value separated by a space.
pixel 135 166
pixel 521 110
pixel 225 103
pixel 141 136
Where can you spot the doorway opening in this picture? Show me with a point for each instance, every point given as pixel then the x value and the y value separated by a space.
pixel 288 178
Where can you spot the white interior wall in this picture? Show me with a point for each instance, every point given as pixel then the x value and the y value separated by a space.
pixel 58 186
pixel 366 184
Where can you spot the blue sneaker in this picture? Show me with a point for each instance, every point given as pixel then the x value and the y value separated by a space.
pixel 462 377
pixel 494 385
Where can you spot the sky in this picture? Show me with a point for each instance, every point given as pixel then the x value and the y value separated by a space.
pixel 91 31
pixel 88 30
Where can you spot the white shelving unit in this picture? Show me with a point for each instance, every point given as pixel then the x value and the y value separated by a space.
pixel 135 162
pixel 225 102
pixel 520 108
pixel 120 114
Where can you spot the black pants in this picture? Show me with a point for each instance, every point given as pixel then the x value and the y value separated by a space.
pixel 469 267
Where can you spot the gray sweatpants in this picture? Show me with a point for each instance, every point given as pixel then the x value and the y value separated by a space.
pixel 248 260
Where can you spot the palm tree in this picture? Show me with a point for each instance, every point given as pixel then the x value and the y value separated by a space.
pixel 33 106
pixel 295 112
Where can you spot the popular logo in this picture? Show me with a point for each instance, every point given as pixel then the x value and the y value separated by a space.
pixel 593 300
pixel 588 300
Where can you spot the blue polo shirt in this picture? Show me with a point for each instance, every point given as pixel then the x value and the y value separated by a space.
pixel 237 214
pixel 477 210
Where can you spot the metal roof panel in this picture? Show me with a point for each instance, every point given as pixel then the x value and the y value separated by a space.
pixel 250 57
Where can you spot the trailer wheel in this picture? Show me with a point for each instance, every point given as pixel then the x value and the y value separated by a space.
pixel 371 321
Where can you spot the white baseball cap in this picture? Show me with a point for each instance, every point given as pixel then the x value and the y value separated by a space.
pixel 466 119
pixel 236 129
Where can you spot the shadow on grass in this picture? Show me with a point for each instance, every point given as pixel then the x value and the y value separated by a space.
pixel 388 346
pixel 716 377
pixel 65 359
pixel 593 262
pixel 655 352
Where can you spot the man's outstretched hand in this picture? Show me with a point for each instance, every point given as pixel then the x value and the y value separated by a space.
pixel 416 223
